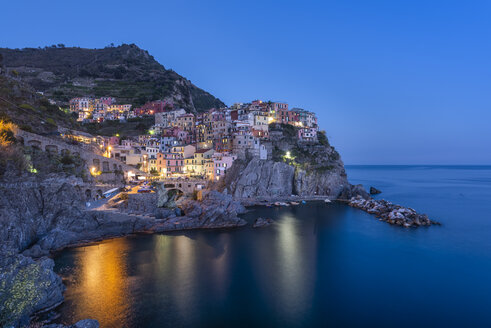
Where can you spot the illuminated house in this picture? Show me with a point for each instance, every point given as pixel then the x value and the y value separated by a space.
pixel 169 164
pixel 307 134
pixel 196 165
pixel 220 163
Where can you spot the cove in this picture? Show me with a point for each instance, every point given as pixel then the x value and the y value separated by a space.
pixel 317 265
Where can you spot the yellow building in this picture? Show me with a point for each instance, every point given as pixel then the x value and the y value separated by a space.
pixel 196 165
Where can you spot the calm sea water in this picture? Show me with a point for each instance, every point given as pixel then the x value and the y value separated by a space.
pixel 318 265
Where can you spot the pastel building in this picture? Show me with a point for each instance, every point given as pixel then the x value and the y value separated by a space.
pixel 221 163
pixel 169 164
pixel 196 165
pixel 307 134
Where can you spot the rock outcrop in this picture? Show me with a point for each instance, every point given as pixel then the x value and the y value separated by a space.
pixel 374 191
pixel 26 286
pixel 293 168
pixel 261 222
pixel 215 210
pixel 392 213
pixel 260 178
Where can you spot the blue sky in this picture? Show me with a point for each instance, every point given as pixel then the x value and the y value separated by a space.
pixel 393 82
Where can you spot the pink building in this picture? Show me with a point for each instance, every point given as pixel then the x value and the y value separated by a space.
pixel 169 163
pixel 114 141
pixel 150 108
pixel 221 163
pixel 307 134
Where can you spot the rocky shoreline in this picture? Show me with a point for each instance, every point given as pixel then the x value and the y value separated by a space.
pixel 41 217
pixel 392 213
pixel 37 220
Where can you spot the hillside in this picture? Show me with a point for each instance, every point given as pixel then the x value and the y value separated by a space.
pixel 126 72
pixel 19 103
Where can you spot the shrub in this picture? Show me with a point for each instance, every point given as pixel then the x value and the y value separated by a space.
pixel 51 121
pixel 321 137
pixel 26 106
pixel 67 160
pixel 12 158
pixel 26 128
pixel 7 133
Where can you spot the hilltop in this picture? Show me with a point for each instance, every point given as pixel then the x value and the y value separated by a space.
pixel 126 72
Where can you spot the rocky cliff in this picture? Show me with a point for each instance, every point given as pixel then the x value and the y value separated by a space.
pixel 126 72
pixel 293 168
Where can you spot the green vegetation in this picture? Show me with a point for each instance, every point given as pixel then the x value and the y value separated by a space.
pixel 126 72
pixel 322 169
pixel 321 137
pixel 310 157
pixel 277 154
pixel 29 110
pixel 41 163
pixel 11 155
pixel 132 127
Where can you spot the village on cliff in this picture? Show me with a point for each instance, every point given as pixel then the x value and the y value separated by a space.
pixel 182 145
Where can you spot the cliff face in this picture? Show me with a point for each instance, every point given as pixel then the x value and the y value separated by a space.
pixel 298 168
pixel 126 72
pixel 260 178
pixel 266 178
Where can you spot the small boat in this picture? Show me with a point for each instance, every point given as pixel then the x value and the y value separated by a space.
pixel 277 203
pixel 294 203
pixel 304 202
pixel 327 200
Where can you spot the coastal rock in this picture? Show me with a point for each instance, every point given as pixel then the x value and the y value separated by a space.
pixel 166 198
pixel 266 178
pixel 30 210
pixel 374 191
pixel 351 191
pixel 329 182
pixel 259 178
pixel 35 252
pixel 26 287
pixel 392 213
pixel 215 209
pixel 260 222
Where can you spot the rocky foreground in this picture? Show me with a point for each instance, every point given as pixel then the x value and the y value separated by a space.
pixel 392 213
pixel 41 216
pixel 38 217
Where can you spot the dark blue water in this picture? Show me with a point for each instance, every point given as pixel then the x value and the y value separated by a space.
pixel 318 265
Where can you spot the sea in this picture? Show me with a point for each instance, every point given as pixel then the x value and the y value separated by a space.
pixel 317 265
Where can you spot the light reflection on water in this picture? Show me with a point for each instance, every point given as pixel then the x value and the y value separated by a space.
pixel 103 281
pixel 317 265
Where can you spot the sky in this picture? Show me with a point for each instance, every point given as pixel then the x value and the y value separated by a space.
pixel 392 82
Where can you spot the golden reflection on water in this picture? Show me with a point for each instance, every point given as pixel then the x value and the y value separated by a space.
pixel 293 250
pixel 103 283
